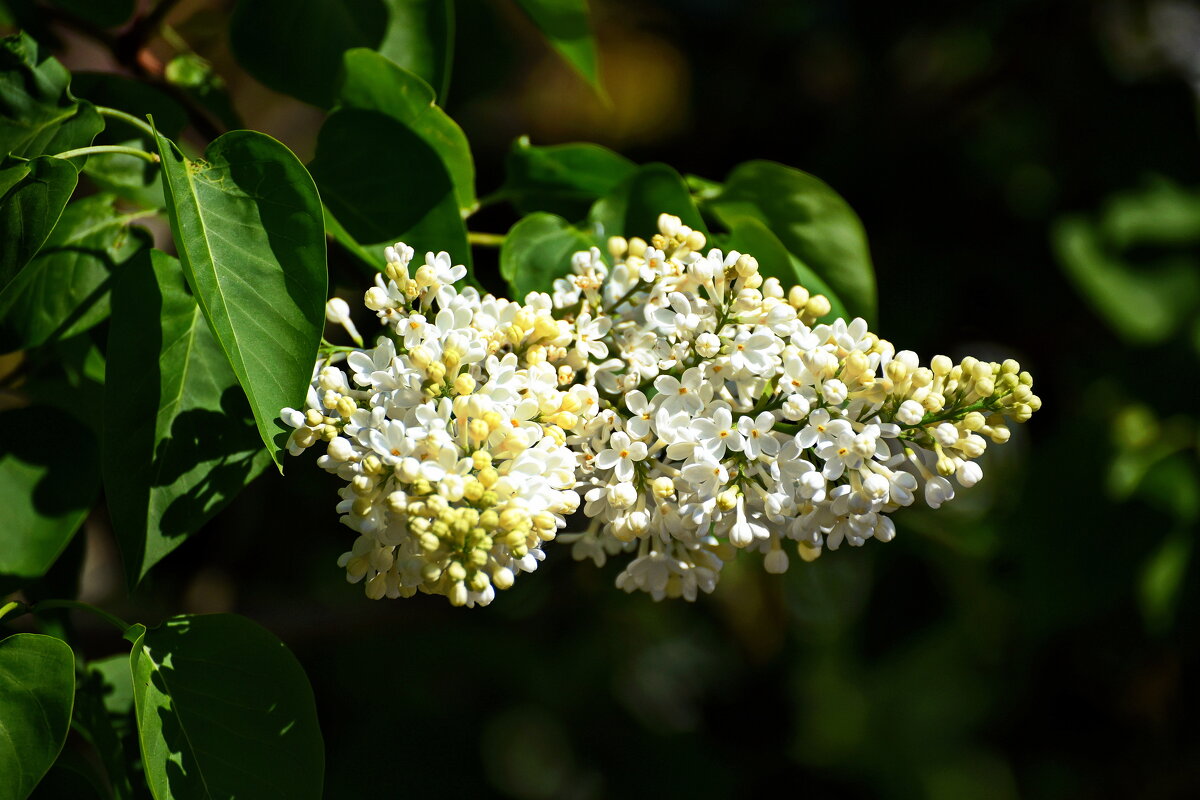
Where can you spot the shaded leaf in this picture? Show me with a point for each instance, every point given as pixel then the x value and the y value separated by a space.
pixel 563 179
pixel 372 83
pixel 749 235
pixel 63 291
pixel 102 13
pixel 1136 262
pixel 811 220
pixel 32 197
pixel 38 113
pixel 182 442
pixel 633 208
pixel 37 689
pixel 266 35
pixel 247 223
pixel 537 250
pixel 387 134
pixel 566 26
pixel 49 479
pixel 224 710
pixel 128 176
pixel 104 685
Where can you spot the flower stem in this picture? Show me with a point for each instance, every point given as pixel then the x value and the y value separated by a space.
pixel 128 119
pixel 109 148
pixel 47 605
pixel 485 239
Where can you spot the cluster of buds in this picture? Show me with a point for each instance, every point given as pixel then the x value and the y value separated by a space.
pixel 450 434
pixel 694 407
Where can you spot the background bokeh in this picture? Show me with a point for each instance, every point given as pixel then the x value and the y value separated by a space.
pixel 1027 173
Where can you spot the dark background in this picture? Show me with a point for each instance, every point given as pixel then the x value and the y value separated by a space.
pixel 1036 638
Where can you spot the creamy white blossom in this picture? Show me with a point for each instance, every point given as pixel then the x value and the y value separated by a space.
pixel 688 406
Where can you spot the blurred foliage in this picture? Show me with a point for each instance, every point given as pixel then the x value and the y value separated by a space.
pixel 1026 171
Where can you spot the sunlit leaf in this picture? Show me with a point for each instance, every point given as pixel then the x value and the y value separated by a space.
pixel 37 689
pixel 224 710
pixel 247 223
pixel 181 440
pixel 812 221
pixel 32 197
pixel 537 250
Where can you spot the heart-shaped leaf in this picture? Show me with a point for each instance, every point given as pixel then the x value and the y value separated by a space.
pixel 224 710
pixel 248 227
pixel 37 690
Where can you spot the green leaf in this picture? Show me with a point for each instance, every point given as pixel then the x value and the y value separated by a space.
pixel 566 26
pixel 563 179
pixel 126 176
pixel 1135 263
pixel 38 113
pixel 372 83
pixel 387 134
pixel 32 197
pixel 248 227
pixel 266 35
pixel 420 38
pixel 49 479
pixel 102 13
pixel 63 291
pixel 37 690
pixel 224 710
pixel 103 701
pixel 537 250
pixel 811 220
pixel 633 208
pixel 749 235
pixel 181 441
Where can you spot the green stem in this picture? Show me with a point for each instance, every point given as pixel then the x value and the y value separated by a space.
pixel 485 239
pixel 11 606
pixel 109 148
pixel 128 119
pixel 47 605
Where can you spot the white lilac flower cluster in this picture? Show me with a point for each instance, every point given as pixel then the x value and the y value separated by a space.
pixel 693 406
pixel 450 433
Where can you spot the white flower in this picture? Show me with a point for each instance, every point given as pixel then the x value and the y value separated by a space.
pixel 716 433
pixel 757 440
pixel 621 455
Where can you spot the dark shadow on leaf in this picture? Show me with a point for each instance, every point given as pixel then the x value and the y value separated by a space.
pixel 227 440
pixel 47 439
